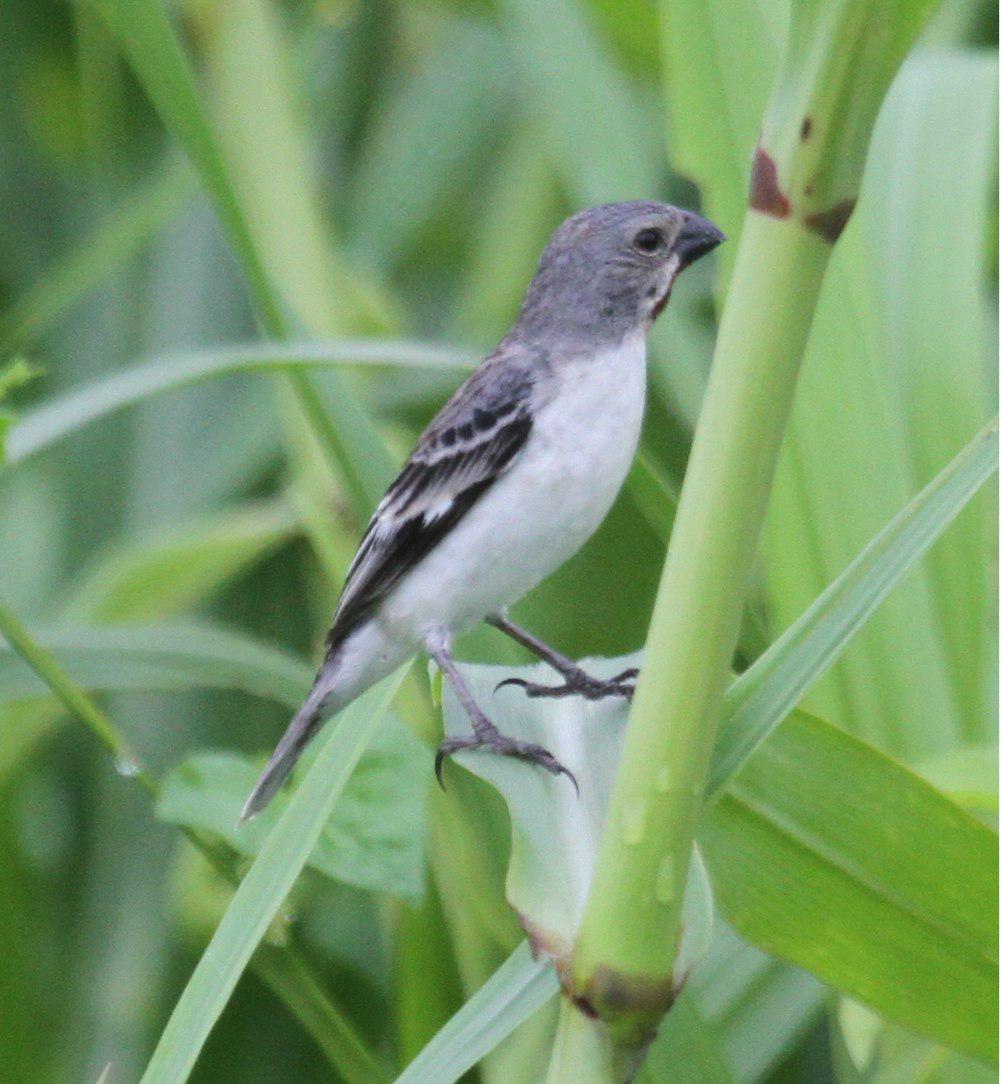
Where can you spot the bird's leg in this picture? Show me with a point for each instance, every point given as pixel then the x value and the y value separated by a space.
pixel 484 734
pixel 576 682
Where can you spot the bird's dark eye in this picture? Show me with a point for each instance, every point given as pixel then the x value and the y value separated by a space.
pixel 648 240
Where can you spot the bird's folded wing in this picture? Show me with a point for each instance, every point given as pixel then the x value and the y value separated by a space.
pixel 474 439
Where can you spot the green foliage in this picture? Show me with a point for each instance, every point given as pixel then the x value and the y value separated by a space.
pixel 373 840
pixel 249 248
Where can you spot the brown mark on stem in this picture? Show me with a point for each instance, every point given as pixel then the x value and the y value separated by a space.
pixel 829 224
pixel 765 195
pixel 806 130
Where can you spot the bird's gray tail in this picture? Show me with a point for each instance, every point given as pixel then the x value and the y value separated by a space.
pixel 297 736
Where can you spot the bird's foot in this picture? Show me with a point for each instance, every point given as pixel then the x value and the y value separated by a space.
pixel 492 740
pixel 577 682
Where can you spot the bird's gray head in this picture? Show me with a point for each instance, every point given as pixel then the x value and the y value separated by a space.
pixel 608 271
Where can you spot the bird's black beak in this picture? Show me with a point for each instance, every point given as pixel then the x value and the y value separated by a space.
pixel 697 237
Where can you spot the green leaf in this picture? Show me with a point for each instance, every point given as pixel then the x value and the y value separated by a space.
pixel 258 126
pixel 406 170
pixel 907 342
pixel 555 832
pixel 719 61
pixel 149 40
pixel 815 874
pixel 177 569
pixel 164 658
pixel 373 840
pixel 968 775
pixel 341 427
pixel 762 695
pixel 520 987
pixel 269 880
pixel 757 1007
pixel 59 417
pixel 597 129
pixel 827 853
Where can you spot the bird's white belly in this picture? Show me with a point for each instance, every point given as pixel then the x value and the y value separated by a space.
pixel 537 515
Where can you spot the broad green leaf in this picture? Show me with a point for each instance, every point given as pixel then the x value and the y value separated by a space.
pixel 825 852
pixel 597 128
pixel 968 775
pixel 165 658
pixel 902 354
pixel 719 61
pixel 261 893
pixel 762 695
pixel 373 840
pixel 809 875
pixel 61 416
pixel 173 572
pixel 514 993
pixel 555 831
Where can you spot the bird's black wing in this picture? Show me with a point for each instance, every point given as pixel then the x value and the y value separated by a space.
pixel 471 442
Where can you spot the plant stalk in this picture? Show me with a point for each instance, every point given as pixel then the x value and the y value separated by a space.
pixel 840 59
pixel 631 923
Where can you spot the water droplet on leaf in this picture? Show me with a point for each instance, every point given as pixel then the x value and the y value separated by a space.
pixel 127 766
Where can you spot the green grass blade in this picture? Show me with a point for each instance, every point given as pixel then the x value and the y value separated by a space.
pixel 518 989
pixel 160 657
pixel 911 350
pixel 150 42
pixel 279 966
pixel 827 853
pixel 287 975
pixel 59 417
pixel 263 890
pixel 757 701
pixel 598 131
pixel 172 571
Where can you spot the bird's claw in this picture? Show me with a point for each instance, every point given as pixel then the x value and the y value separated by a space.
pixel 497 743
pixel 579 684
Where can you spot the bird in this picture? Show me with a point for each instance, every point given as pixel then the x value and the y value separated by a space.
pixel 509 479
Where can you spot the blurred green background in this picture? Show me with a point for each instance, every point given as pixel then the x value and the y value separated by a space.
pixel 399 166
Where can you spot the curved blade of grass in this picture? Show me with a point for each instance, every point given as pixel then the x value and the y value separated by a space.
pixel 42 427
pixel 596 125
pixel 342 428
pixel 263 890
pixel 172 571
pixel 757 701
pixel 515 991
pixel 160 657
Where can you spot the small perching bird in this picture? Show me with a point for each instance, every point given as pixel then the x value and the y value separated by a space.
pixel 509 480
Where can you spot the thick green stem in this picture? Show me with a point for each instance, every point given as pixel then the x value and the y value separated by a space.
pixel 840 59
pixel 646 847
